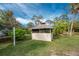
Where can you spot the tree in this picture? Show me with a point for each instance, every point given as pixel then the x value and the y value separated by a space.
pixel 76 25
pixel 2 17
pixel 74 9
pixel 4 23
pixel 59 27
pixel 37 19
pixel 11 20
pixel 8 20
pixel 50 22
pixel 30 25
pixel 64 17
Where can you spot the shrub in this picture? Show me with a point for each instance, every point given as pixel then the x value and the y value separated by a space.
pixel 21 34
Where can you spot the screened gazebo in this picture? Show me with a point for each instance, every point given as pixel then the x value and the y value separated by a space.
pixel 42 32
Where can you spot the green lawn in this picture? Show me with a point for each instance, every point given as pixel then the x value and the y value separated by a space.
pixel 61 46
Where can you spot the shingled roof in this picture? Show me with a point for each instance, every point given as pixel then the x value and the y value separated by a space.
pixel 42 26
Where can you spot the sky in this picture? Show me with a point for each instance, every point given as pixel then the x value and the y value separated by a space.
pixel 24 12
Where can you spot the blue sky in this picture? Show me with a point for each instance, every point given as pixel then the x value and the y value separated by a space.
pixel 24 12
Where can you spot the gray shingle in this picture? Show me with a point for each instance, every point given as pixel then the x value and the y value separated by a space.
pixel 42 26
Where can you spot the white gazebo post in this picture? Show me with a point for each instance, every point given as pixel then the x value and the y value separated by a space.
pixel 14 43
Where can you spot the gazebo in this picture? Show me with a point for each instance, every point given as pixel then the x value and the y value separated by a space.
pixel 42 32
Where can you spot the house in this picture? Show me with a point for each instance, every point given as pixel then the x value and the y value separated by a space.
pixel 42 31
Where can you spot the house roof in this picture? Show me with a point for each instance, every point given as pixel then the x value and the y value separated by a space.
pixel 42 26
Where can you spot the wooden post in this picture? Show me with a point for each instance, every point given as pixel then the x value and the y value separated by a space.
pixel 14 36
pixel 50 30
pixel 39 30
pixel 51 34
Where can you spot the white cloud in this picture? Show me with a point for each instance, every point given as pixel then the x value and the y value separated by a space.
pixel 23 21
pixel 42 20
pixel 29 9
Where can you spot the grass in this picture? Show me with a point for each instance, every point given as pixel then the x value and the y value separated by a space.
pixel 60 46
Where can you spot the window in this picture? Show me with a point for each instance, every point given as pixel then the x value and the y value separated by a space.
pixel 45 30
pixel 35 30
pixel 41 30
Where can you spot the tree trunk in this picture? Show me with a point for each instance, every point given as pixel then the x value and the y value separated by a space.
pixel 68 28
pixel 71 28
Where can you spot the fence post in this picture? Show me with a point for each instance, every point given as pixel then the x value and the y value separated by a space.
pixel 14 43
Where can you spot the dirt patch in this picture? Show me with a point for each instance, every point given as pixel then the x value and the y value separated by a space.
pixel 64 53
pixel 72 53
